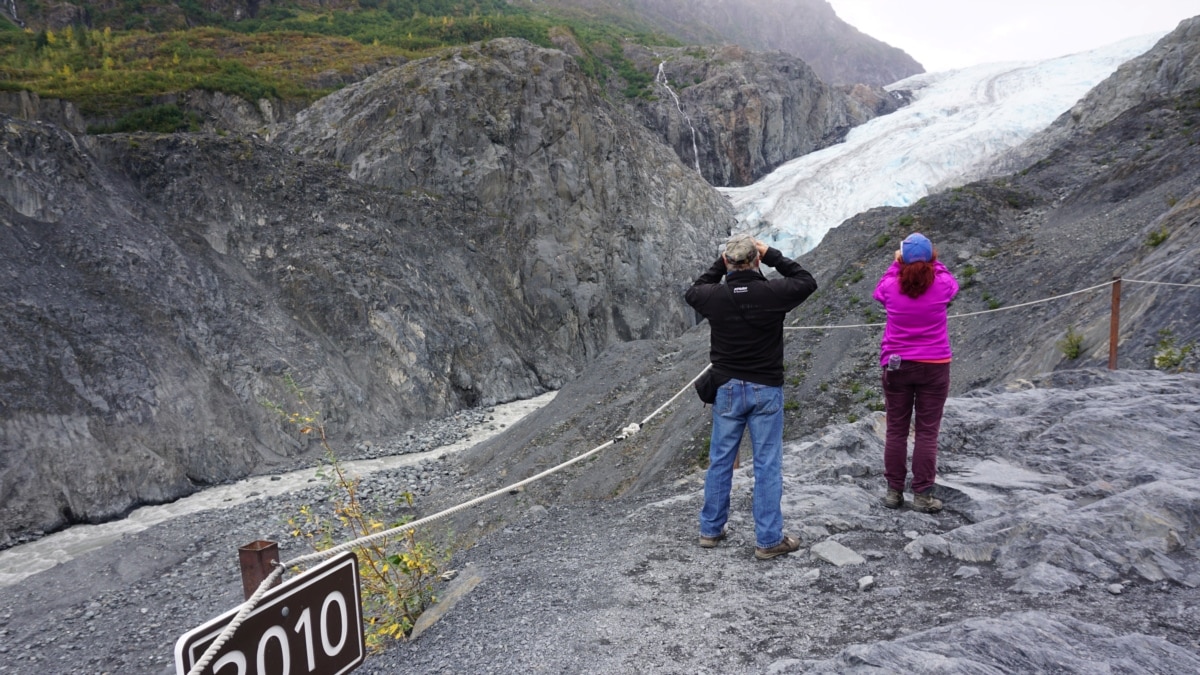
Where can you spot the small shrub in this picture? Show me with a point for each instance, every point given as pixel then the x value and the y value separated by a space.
pixel 1169 356
pixel 968 273
pixel 700 451
pixel 397 572
pixel 1157 237
pixel 163 119
pixel 791 405
pixel 1071 344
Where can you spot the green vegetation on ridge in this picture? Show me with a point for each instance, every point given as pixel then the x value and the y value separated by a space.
pixel 134 53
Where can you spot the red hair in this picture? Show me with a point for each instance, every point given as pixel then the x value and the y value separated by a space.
pixel 916 277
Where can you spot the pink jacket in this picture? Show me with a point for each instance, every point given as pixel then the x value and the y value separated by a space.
pixel 916 329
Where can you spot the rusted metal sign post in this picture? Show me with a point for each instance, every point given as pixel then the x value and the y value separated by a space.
pixel 309 625
pixel 1114 323
pixel 256 560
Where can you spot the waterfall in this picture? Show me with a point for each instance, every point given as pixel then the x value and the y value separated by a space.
pixel 661 78
pixel 11 8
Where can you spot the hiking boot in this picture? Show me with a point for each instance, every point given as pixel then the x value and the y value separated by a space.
pixel 925 502
pixel 711 542
pixel 788 545
pixel 894 499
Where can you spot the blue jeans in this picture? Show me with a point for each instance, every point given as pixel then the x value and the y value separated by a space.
pixel 741 404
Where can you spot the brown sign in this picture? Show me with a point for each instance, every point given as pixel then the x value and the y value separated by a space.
pixel 309 625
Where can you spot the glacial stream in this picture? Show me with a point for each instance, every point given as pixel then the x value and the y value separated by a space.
pixel 25 560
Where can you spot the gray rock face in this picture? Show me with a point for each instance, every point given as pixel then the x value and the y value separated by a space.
pixel 1087 477
pixel 29 106
pixel 738 114
pixel 220 111
pixel 164 286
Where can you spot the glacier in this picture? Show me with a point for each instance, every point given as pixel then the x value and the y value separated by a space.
pixel 956 122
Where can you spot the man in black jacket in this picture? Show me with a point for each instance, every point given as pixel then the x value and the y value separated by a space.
pixel 745 315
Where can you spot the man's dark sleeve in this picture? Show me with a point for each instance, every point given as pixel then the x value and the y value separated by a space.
pixel 797 284
pixel 713 275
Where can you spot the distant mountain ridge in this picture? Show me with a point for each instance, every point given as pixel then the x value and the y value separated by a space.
pixel 810 29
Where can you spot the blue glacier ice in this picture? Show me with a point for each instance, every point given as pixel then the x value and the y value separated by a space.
pixel 958 120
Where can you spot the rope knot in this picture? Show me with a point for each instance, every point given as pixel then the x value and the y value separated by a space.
pixel 629 431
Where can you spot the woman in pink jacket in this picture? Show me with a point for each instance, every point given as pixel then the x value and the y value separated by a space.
pixel 915 355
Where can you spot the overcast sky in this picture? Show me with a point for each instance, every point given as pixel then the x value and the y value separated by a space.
pixel 949 34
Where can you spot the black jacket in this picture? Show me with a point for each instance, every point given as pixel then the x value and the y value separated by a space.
pixel 748 344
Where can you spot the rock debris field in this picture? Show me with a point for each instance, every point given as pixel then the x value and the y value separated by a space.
pixel 1068 544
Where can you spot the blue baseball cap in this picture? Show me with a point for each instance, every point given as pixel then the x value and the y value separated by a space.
pixel 916 248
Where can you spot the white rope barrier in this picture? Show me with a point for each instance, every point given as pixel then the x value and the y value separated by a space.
pixel 960 316
pixel 854 325
pixel 625 433
pixel 235 623
pixel 252 601
pixel 1161 283
pixel 1032 302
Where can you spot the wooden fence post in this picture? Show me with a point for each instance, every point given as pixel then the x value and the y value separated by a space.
pixel 1114 323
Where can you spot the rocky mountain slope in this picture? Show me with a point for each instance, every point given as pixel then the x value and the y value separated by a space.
pixel 164 287
pixel 809 29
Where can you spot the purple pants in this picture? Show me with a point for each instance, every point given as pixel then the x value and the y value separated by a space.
pixel 919 387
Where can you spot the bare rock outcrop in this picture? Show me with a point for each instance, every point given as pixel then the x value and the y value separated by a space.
pixel 501 224
pixel 27 105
